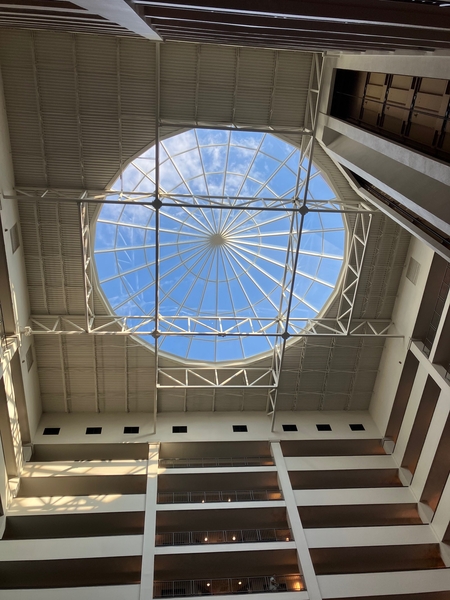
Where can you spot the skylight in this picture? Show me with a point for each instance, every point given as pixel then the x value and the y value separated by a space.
pixel 217 260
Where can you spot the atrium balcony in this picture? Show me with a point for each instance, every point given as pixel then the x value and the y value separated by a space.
pixel 225 487
pixel 226 572
pixel 235 536
pixel 225 586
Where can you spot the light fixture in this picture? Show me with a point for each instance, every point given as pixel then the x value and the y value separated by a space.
pixel 240 583
pixel 203 502
pixel 206 539
pixel 234 538
pixel 229 499
pixel 287 539
pixel 208 584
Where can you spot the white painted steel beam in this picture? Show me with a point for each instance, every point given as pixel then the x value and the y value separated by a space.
pixel 121 13
pixel 63 325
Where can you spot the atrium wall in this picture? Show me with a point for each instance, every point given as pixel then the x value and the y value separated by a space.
pixel 94 512
pixel 348 513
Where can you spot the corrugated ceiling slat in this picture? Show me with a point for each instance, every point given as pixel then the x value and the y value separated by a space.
pixel 79 107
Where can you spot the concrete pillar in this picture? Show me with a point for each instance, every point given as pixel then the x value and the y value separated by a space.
pixel 148 546
pixel 298 532
pixel 408 421
pixel 9 425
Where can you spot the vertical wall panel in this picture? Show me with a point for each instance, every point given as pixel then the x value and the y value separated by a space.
pixel 421 425
pixel 402 396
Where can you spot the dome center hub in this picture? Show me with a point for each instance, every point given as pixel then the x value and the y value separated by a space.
pixel 217 239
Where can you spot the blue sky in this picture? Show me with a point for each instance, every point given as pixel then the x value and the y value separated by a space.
pixel 217 262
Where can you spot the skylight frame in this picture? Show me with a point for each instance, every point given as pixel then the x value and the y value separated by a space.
pixel 282 208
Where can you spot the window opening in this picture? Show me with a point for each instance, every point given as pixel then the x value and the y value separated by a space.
pixel 15 239
pixel 93 430
pixel 29 358
pixel 290 428
pixel 323 427
pixel 51 431
pixel 179 429
pixel 131 429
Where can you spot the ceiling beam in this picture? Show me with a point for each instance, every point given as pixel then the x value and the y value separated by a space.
pixel 120 12
pixel 244 23
pixel 363 12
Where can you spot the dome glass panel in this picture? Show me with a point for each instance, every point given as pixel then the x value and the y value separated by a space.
pixel 223 237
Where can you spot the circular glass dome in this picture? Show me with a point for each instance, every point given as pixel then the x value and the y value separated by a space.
pixel 216 260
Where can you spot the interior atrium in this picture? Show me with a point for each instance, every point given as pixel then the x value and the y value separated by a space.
pixel 224 307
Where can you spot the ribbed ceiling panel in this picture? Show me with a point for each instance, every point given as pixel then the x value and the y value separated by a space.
pixel 79 108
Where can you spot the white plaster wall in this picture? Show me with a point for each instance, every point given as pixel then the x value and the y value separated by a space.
pixel 404 316
pixel 13 417
pixel 222 505
pixel 397 495
pixel 77 504
pixel 110 592
pixel 91 468
pixel 331 463
pixel 213 548
pixel 16 267
pixel 383 584
pixel 348 537
pixel 148 539
pixel 203 427
pixel 68 548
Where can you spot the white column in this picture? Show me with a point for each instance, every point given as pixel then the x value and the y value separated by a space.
pixel 301 543
pixel 4 492
pixel 9 426
pixel 441 517
pixel 442 322
pixel 148 546
pixel 438 422
pixel 408 422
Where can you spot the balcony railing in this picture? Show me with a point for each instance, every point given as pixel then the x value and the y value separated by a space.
pixel 235 585
pixel 230 496
pixel 248 461
pixel 236 536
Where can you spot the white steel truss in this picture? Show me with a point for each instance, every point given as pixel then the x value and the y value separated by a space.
pixel 204 327
pixel 278 330
pixel 87 265
pixel 110 196
pixel 212 377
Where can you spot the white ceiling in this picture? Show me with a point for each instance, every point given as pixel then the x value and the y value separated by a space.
pixel 79 108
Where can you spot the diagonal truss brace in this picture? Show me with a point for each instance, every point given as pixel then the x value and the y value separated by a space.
pixel 203 327
pixel 211 377
pixel 196 201
pixel 87 265
pixel 355 261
